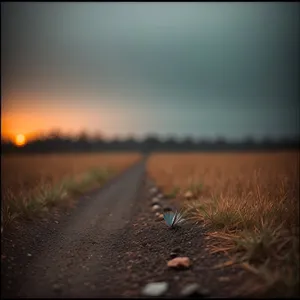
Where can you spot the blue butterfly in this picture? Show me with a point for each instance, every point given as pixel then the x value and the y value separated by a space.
pixel 172 219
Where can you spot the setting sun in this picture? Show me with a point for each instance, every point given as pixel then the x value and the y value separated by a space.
pixel 20 140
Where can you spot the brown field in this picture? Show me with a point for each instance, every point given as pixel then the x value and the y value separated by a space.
pixel 249 204
pixel 28 181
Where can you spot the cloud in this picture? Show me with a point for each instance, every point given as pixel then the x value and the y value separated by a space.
pixel 143 55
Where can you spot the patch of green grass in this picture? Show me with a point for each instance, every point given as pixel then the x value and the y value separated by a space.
pixel 196 188
pixel 174 192
pixel 72 186
pixel 10 216
pixel 216 219
pixel 93 177
pixel 101 175
pixel 256 245
pixel 50 195
pixel 27 205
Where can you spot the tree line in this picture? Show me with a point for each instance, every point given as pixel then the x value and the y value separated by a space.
pixel 55 142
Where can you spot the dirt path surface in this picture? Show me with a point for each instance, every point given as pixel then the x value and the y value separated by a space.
pixel 74 257
pixel 111 245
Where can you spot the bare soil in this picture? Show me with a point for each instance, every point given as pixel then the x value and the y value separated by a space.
pixel 110 245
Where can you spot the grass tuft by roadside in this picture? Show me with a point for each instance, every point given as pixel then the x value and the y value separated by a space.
pixel 250 209
pixel 27 204
pixel 33 184
pixel 263 236
pixel 173 193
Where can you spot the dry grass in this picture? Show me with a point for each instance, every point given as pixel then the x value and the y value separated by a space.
pixel 31 184
pixel 248 202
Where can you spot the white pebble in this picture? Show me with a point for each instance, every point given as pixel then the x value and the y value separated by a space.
pixel 155 207
pixel 153 190
pixel 155 289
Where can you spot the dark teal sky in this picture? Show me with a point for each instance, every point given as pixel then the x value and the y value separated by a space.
pixel 198 69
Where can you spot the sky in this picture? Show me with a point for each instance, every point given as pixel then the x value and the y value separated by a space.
pixel 195 69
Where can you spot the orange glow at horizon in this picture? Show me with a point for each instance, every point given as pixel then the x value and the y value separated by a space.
pixel 20 140
pixel 32 124
pixel 33 118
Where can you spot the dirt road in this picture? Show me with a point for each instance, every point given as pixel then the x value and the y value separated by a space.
pixel 74 259
pixel 111 245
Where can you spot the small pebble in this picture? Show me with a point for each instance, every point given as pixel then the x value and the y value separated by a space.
pixel 28 254
pixel 155 207
pixel 173 254
pixel 155 289
pixel 153 190
pixel 188 195
pixel 190 290
pixel 161 217
pixel 179 262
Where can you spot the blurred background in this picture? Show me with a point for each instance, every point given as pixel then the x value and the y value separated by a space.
pixel 149 76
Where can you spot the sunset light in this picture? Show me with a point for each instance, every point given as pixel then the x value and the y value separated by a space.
pixel 20 140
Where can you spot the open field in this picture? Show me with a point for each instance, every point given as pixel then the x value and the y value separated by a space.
pixel 32 184
pixel 249 205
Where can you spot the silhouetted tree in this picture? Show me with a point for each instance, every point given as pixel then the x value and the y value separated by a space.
pixel 151 143
pixel 54 141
